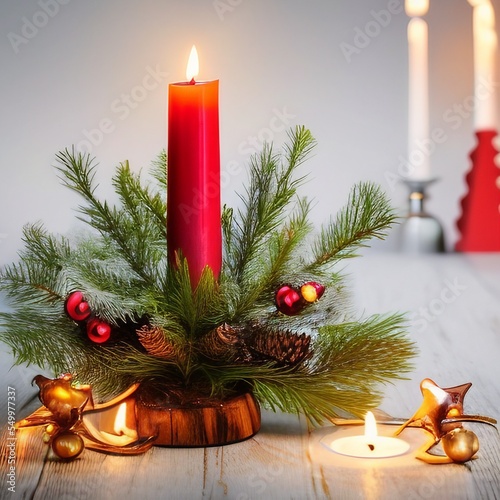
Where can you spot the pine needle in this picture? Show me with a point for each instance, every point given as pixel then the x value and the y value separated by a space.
pixel 269 193
pixel 366 215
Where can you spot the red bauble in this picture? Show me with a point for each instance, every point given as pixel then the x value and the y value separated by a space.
pixel 76 307
pixel 312 291
pixel 98 331
pixel 289 301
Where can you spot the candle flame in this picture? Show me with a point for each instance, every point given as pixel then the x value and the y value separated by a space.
pixel 193 65
pixel 416 8
pixel 370 426
pixel 120 423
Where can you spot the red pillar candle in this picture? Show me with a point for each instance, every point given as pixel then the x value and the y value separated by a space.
pixel 193 193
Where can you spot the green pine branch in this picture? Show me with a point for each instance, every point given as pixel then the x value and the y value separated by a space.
pixel 114 292
pixel 38 334
pixel 37 275
pixel 141 244
pixel 375 349
pixel 198 310
pixel 143 206
pixel 284 243
pixel 266 272
pixel 366 215
pixel 112 369
pixel 261 238
pixel 271 189
pixel 124 273
pixel 158 172
pixel 350 362
pixel 227 222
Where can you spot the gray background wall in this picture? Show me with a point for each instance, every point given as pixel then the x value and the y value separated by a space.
pixel 280 63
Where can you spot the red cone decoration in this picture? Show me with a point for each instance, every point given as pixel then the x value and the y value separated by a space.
pixel 479 223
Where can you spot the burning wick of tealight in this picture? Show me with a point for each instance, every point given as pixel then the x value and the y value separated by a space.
pixel 369 445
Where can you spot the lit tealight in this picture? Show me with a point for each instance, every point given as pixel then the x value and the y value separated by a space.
pixel 109 426
pixel 370 445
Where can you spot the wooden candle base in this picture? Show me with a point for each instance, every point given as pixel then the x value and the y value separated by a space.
pixel 198 423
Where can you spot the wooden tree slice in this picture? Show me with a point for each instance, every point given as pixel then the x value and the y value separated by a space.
pixel 198 423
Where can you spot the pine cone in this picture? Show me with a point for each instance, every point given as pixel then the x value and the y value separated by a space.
pixel 284 347
pixel 153 340
pixel 224 343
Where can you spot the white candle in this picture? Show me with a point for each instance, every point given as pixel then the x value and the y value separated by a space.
pixel 418 90
pixel 485 50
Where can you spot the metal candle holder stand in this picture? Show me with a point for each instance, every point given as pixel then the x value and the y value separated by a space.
pixel 420 232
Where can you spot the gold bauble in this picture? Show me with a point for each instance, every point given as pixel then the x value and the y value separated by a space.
pixel 460 444
pixel 67 445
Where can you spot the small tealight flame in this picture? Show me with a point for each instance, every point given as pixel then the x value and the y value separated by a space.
pixel 370 430
pixel 120 423
pixel 193 66
pixel 370 426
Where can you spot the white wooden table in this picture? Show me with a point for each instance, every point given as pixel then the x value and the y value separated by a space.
pixel 453 303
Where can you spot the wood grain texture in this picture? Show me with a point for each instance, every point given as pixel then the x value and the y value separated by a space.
pixel 453 306
pixel 218 422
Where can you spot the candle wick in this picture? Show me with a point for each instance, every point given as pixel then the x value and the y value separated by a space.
pixel 192 82
pixel 371 446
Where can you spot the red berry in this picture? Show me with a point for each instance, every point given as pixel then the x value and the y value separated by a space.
pixel 312 291
pixel 76 307
pixel 283 292
pixel 98 331
pixel 288 301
